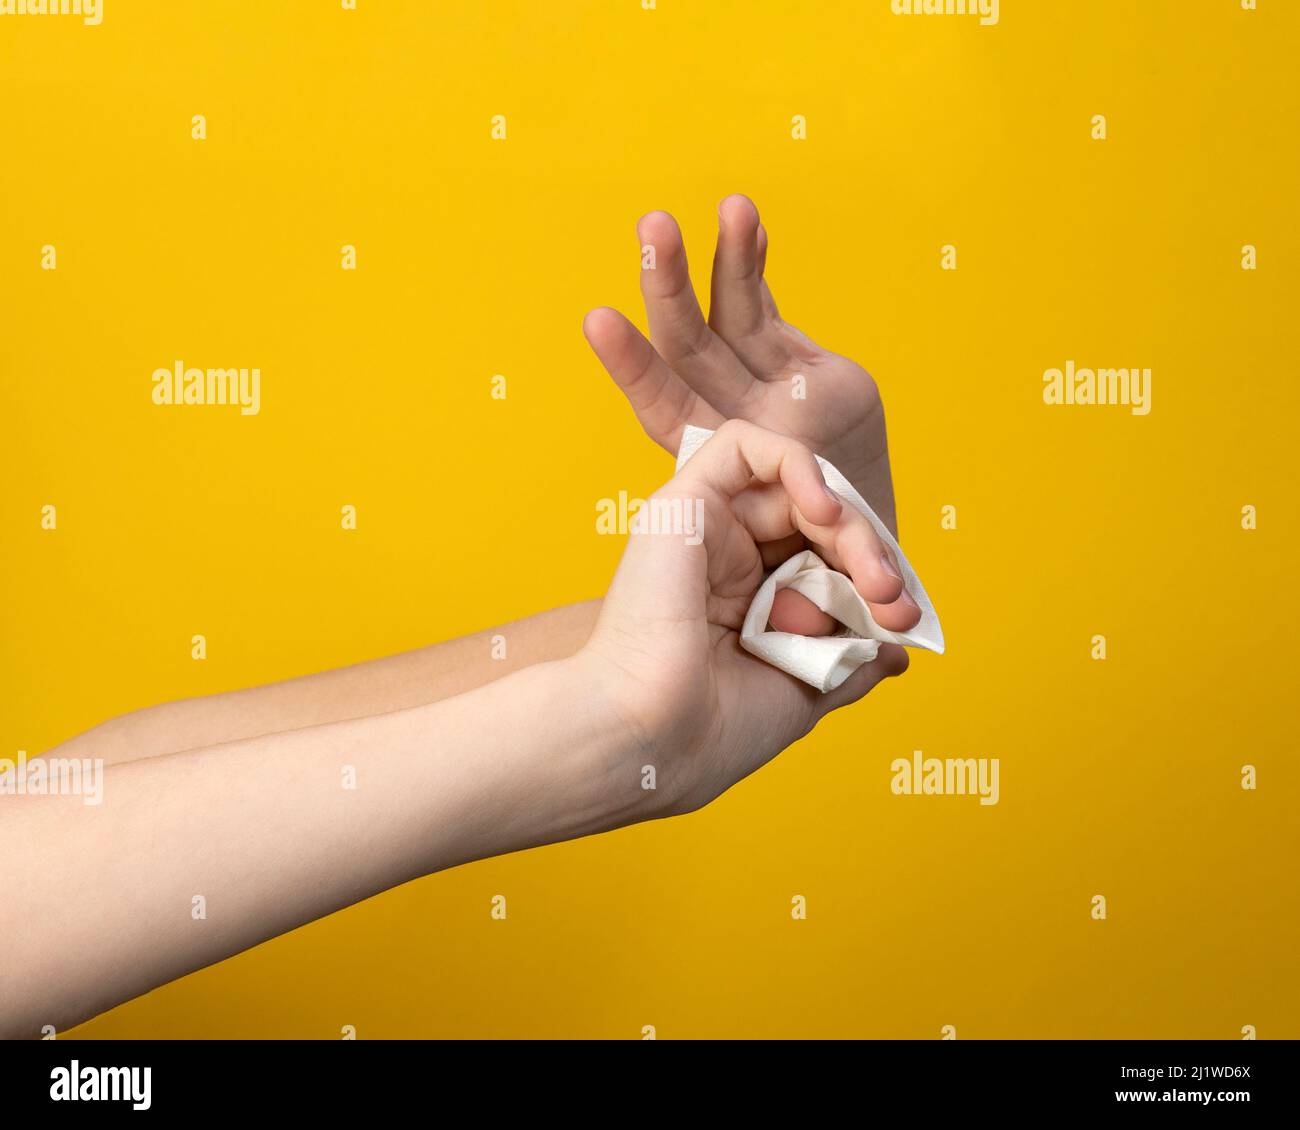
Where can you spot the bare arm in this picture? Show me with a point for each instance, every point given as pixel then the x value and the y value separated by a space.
pixel 188 857
pixel 101 902
pixel 397 682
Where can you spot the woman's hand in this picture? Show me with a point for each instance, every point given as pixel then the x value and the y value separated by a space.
pixel 744 362
pixel 666 648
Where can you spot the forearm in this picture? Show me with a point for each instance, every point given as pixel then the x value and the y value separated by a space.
pixel 101 903
pixel 397 682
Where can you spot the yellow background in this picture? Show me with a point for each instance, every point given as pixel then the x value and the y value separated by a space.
pixel 479 257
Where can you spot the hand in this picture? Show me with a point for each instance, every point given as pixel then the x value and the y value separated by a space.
pixel 666 647
pixel 743 362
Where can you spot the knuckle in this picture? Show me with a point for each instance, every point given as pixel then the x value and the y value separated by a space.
pixel 733 429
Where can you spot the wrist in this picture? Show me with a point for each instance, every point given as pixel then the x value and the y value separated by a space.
pixel 613 773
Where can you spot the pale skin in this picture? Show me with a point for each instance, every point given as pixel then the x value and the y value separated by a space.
pixel 239 799
pixel 739 363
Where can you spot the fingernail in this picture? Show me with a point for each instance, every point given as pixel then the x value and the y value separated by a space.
pixel 890 567
pixel 835 498
pixel 905 597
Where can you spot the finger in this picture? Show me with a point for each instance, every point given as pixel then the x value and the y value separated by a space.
pixel 662 401
pixel 780 551
pixel 765 510
pixel 899 615
pixel 677 327
pixel 890 662
pixel 736 309
pixel 769 303
pixel 739 452
pixel 851 545
pixel 794 612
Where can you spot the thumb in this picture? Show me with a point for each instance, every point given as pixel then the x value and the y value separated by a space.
pixel 663 573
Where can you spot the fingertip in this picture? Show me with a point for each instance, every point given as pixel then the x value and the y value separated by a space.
pixel 869 565
pixel 604 328
pixel 656 225
pixel 908 606
pixel 596 319
pixel 893 659
pixel 815 500
pixel 794 613
pixel 738 210
pixel 836 503
pixel 899 615
pixel 878 584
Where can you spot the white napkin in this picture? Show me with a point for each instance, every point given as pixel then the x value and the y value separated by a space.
pixel 825 662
